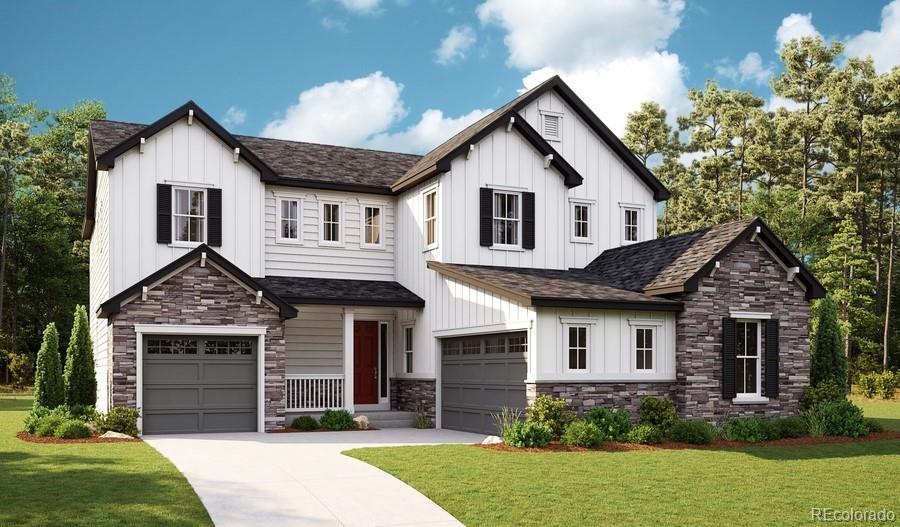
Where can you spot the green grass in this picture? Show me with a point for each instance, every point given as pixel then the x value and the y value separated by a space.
pixel 748 486
pixel 888 412
pixel 87 484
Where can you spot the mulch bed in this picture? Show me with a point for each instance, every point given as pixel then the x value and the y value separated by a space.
pixel 25 436
pixel 288 430
pixel 612 446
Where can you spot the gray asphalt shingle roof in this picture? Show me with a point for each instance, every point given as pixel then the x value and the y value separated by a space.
pixel 302 290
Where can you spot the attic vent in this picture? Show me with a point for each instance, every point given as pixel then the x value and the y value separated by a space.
pixel 551 127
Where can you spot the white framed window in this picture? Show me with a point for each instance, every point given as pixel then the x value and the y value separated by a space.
pixel 748 344
pixel 507 219
pixel 577 347
pixel 430 215
pixel 408 349
pixel 644 348
pixel 551 126
pixel 188 215
pixel 581 221
pixel 372 225
pixel 631 223
pixel 331 223
pixel 289 221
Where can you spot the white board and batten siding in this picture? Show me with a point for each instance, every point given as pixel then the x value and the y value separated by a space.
pixel 189 156
pixel 99 290
pixel 308 257
pixel 611 354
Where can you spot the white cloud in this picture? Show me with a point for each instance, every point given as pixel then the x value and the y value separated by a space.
pixel 362 7
pixel 776 101
pixel 234 116
pixel 884 45
pixel 611 53
pixel 362 112
pixel 750 68
pixel 334 24
pixel 455 45
pixel 795 25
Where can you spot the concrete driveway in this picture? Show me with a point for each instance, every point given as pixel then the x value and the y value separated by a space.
pixel 302 478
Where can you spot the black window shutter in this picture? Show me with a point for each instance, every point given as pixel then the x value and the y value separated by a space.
pixel 771 384
pixel 214 214
pixel 163 213
pixel 528 220
pixel 729 358
pixel 487 217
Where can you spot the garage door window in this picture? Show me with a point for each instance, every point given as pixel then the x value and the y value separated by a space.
pixel 488 344
pixel 228 347
pixel 172 346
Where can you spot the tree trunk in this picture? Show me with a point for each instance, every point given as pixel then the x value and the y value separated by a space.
pixel 887 303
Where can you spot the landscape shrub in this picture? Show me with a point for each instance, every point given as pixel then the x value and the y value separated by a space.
pixel 748 429
pixel 21 369
pixel 582 433
pixel 769 429
pixel 613 424
pixel 528 434
pixel 305 422
pixel 72 429
pixel 506 418
pixel 336 420
pixel 49 390
pixel 836 418
pixel 874 425
pixel 47 425
pixel 120 419
pixel 422 421
pixel 695 432
pixel 791 427
pixel 644 434
pixel 34 418
pixel 84 413
pixel 822 392
pixel 550 412
pixel 828 363
pixel 79 377
pixel 878 384
pixel 658 412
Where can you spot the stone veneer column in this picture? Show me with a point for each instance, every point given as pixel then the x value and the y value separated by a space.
pixel 408 395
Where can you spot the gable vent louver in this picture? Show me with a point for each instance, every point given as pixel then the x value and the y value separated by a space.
pixel 551 126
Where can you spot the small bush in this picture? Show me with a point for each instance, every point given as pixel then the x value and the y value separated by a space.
pixel 824 391
pixel 48 424
pixel 72 429
pixel 874 425
pixel 34 417
pixel 613 424
pixel 695 432
pixel 336 420
pixel 644 434
pixel 880 384
pixel 582 433
pixel 305 422
pixel 120 419
pixel 422 421
pixel 748 429
pixel 657 412
pixel 551 412
pixel 84 413
pixel 769 429
pixel 836 418
pixel 788 427
pixel 21 368
pixel 506 418
pixel 528 435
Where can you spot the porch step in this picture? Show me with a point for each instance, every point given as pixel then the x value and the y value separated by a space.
pixel 389 419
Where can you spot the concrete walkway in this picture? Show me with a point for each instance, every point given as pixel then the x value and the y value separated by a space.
pixel 302 478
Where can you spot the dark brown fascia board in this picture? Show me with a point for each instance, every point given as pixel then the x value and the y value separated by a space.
pixel 635 305
pixel 814 288
pixel 90 197
pixel 114 304
pixel 368 302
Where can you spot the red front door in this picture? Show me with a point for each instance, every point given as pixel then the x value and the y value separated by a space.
pixel 365 362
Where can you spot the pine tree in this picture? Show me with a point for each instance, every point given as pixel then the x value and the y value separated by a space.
pixel 828 360
pixel 81 384
pixel 49 391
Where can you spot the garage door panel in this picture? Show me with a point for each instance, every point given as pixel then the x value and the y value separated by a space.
pixel 229 421
pixel 225 397
pixel 171 371
pixel 223 372
pixel 171 422
pixel 168 397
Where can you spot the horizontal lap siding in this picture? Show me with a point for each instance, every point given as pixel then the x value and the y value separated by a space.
pixel 314 341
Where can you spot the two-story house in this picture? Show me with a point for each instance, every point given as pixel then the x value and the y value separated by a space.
pixel 239 281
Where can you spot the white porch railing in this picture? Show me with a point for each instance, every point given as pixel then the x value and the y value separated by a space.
pixel 305 393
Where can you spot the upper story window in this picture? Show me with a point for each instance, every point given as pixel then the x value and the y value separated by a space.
pixel 332 223
pixel 551 126
pixel 507 219
pixel 631 224
pixel 289 224
pixel 408 349
pixel 581 221
pixel 189 215
pixel 430 212
pixel 372 225
pixel 644 339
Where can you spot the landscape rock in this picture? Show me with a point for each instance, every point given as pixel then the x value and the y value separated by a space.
pixel 362 422
pixel 115 435
pixel 492 440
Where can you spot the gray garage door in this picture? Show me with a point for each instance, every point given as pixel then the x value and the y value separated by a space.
pixel 199 384
pixel 480 375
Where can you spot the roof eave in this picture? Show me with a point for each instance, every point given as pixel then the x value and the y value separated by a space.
pixel 635 305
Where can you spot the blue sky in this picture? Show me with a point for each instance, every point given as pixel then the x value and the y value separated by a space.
pixel 144 58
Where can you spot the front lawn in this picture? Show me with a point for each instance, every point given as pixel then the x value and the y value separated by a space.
pixel 88 484
pixel 747 486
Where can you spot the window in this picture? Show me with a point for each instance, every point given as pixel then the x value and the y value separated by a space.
pixel 492 344
pixel 747 353
pixel 506 219
pixel 408 348
pixel 228 347
pixel 551 126
pixel 632 225
pixel 289 220
pixel 643 348
pixel 372 226
pixel 578 347
pixel 170 346
pixel 581 222
pixel 331 224
pixel 430 214
pixel 189 215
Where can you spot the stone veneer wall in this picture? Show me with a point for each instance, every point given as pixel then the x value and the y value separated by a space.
pixel 198 296
pixel 408 395
pixel 582 396
pixel 749 279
